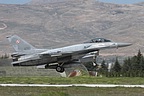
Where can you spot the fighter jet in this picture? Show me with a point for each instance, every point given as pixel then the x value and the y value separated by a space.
pixel 27 55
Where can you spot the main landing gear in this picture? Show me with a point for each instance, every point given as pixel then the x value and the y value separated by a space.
pixel 60 69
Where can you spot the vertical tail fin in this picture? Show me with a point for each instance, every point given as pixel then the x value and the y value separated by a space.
pixel 19 44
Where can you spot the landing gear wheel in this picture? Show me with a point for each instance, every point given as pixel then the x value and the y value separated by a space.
pixel 60 69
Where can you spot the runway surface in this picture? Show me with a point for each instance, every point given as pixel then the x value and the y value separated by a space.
pixel 70 85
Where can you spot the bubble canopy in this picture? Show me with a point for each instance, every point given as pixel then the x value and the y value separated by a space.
pixel 98 40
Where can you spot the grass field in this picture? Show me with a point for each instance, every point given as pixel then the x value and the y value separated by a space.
pixel 74 80
pixel 70 91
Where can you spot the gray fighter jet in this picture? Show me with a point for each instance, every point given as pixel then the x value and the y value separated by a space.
pixel 27 55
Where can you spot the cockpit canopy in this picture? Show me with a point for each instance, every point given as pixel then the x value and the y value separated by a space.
pixel 98 40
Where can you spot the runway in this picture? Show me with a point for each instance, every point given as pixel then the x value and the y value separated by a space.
pixel 72 85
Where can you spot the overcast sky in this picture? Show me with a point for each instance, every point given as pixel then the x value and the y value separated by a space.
pixel 111 1
pixel 14 1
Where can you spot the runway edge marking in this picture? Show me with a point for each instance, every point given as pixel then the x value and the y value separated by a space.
pixel 70 85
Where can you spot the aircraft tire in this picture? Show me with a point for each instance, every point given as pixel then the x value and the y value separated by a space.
pixel 60 69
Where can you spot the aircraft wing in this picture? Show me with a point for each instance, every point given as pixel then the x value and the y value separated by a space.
pixel 60 54
pixel 46 56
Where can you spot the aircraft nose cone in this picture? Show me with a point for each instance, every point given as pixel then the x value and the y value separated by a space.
pixel 123 44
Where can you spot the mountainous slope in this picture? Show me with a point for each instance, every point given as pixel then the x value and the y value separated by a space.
pixel 55 24
pixel 38 2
